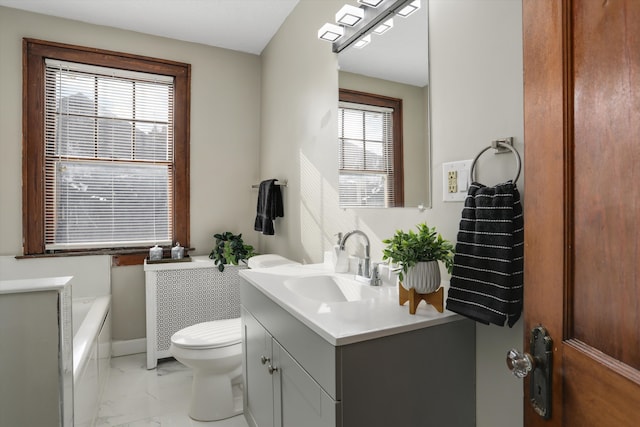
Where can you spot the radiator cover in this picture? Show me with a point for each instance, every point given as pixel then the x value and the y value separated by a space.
pixel 183 294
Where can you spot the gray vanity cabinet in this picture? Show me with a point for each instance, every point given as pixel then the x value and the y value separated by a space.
pixel 257 347
pixel 278 391
pixel 419 378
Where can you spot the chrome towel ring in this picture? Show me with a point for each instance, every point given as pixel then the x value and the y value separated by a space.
pixel 499 145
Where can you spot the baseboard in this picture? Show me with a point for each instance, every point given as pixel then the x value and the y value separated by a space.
pixel 126 347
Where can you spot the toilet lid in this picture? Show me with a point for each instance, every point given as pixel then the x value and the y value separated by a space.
pixel 217 333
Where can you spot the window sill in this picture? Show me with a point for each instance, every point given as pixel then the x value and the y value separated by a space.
pixel 119 257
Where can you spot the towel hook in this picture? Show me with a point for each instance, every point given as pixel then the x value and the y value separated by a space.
pixel 499 145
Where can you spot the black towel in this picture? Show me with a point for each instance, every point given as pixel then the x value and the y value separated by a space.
pixel 487 276
pixel 269 206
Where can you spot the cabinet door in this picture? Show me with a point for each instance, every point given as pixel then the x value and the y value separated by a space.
pixel 299 400
pixel 258 382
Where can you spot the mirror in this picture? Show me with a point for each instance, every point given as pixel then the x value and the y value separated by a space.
pixel 396 64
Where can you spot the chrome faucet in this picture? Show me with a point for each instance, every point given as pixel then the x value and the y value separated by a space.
pixel 366 272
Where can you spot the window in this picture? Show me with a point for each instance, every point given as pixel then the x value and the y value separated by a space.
pixel 106 150
pixel 370 150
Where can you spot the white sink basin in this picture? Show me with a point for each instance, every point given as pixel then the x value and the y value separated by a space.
pixel 327 288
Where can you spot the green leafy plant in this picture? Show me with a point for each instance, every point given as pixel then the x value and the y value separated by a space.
pixel 407 249
pixel 230 249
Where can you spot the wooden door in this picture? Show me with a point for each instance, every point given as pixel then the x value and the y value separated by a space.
pixel 582 206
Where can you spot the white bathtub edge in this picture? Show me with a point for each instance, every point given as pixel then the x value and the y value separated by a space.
pixel 87 334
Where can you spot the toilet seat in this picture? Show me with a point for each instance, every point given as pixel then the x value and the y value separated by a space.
pixel 209 335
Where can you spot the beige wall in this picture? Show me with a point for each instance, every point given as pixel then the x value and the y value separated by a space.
pixel 225 134
pixel 477 96
pixel 476 89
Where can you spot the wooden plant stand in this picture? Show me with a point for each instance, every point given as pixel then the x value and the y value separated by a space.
pixel 436 299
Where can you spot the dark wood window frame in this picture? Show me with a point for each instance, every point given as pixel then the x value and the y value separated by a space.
pixel 33 192
pixel 356 97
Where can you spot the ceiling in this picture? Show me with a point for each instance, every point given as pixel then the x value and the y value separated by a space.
pixel 245 26
pixel 242 25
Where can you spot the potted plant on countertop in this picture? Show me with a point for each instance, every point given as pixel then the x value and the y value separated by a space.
pixel 230 249
pixel 416 256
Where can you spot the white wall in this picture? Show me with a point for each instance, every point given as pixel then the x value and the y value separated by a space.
pixel 476 89
pixel 477 96
pixel 225 134
pixel 91 275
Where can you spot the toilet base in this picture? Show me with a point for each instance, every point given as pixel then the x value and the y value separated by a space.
pixel 215 397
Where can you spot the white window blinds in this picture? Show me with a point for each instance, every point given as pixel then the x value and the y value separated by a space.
pixel 108 157
pixel 366 155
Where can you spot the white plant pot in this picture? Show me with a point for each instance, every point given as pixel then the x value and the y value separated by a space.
pixel 424 277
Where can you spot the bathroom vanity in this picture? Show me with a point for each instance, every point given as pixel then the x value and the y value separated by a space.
pixel 321 350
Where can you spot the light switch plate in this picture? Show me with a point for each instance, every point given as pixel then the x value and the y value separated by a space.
pixel 455 180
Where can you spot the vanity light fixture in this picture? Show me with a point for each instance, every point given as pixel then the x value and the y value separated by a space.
pixel 355 23
pixel 384 27
pixel 349 15
pixel 330 32
pixel 370 3
pixel 409 9
pixel 363 42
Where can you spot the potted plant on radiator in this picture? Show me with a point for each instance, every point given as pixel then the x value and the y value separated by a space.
pixel 416 256
pixel 230 249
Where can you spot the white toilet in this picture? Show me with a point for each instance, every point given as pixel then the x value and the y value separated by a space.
pixel 214 351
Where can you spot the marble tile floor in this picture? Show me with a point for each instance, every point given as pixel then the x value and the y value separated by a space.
pixel 137 397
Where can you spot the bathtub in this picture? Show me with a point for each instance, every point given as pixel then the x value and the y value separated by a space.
pixel 91 319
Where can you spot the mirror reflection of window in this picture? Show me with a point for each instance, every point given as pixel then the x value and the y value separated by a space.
pixel 396 64
pixel 370 150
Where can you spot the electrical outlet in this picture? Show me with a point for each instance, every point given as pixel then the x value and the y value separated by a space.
pixel 455 180
pixel 452 181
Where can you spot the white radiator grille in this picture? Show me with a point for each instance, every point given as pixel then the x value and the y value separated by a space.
pixel 190 296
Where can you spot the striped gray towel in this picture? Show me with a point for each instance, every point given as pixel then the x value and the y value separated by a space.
pixel 487 276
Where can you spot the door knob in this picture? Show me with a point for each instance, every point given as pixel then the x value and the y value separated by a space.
pixel 520 364
pixel 264 360
pixel 539 364
pixel 272 369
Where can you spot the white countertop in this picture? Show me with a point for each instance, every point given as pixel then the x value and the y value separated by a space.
pixel 343 323
pixel 34 285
